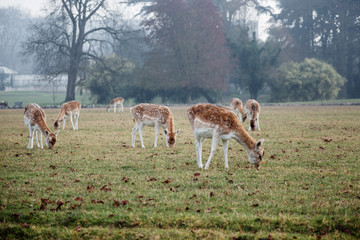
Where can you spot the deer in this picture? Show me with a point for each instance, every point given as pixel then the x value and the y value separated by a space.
pixel 69 109
pixel 252 109
pixel 216 122
pixel 35 120
pixel 237 106
pixel 152 115
pixel 114 102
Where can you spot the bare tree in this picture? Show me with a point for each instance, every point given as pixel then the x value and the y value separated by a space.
pixel 13 25
pixel 71 36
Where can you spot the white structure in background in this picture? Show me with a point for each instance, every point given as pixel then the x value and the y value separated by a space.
pixel 12 81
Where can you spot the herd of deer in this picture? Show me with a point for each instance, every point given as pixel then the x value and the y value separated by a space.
pixel 206 120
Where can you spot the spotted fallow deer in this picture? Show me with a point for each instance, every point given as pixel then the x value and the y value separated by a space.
pixel 252 109
pixel 211 121
pixel 146 114
pixel 35 120
pixel 69 109
pixel 115 102
pixel 237 106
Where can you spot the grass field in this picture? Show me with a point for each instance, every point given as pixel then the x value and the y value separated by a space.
pixel 94 185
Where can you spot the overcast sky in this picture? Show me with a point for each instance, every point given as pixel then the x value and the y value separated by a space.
pixel 32 6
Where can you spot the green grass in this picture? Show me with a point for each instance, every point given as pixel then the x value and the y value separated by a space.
pixel 307 187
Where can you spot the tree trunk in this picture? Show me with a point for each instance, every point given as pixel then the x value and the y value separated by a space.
pixel 70 90
pixel 253 91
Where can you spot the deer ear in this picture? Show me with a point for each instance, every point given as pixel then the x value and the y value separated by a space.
pixel 177 132
pixel 57 132
pixel 46 132
pixel 260 143
pixel 165 131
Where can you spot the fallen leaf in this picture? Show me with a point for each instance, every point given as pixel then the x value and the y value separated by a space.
pixel 25 225
pixel 59 204
pixel 194 196
pixel 116 203
pixel 255 205
pixel 104 188
pixel 53 166
pixel 197 174
pixel 111 215
pixel 166 181
pixel 211 194
pixel 327 139
pixel 15 215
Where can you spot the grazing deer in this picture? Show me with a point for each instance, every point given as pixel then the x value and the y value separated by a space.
pixel 69 109
pixel 35 120
pixel 210 121
pixel 115 102
pixel 252 109
pixel 237 106
pixel 153 115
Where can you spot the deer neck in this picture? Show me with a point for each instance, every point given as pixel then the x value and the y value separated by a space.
pixel 61 114
pixel 170 124
pixel 242 137
pixel 43 126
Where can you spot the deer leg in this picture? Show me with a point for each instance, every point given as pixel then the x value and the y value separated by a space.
pixel 122 108
pixel 41 139
pixel 30 145
pixel 198 146
pixel 135 129
pixel 140 135
pixel 71 120
pixel 156 134
pixel 77 120
pixel 225 148
pixel 37 138
pixel 257 122
pixel 214 143
pixel 38 135
pixel 114 108
pixel 64 120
